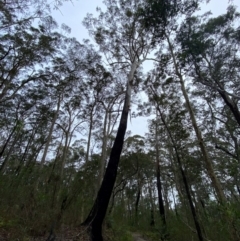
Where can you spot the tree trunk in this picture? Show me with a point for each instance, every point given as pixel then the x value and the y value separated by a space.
pixel 227 99
pixel 99 209
pixel 65 152
pixel 152 220
pixel 21 162
pixel 215 182
pixel 8 140
pixel 234 109
pixel 49 138
pixel 55 160
pixel 193 211
pixel 4 163
pixel 106 133
pixel 159 184
pixel 136 205
pixel 139 191
pixel 231 104
pixel 104 151
pixel 89 135
pixel 209 166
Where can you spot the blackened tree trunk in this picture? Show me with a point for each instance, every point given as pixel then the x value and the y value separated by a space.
pixel 137 204
pixel 159 184
pixel 129 44
pixel 160 197
pixel 152 222
pixel 99 209
pixel 164 232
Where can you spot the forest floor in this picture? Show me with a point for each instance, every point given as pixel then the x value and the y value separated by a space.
pixel 65 233
pixel 138 237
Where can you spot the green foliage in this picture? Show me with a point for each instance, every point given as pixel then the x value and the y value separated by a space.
pixel 119 230
pixel 150 235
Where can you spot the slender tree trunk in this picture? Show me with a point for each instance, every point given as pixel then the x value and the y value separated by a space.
pixel 174 201
pixel 139 191
pixel 104 151
pixel 58 185
pixel 152 222
pixel 99 209
pixel 193 211
pixel 109 123
pixel 55 161
pixel 106 132
pixel 164 232
pixel 159 184
pixel 4 163
pixel 137 204
pixel 233 106
pixel 209 166
pixel 89 135
pixel 64 156
pixel 7 141
pixel 166 201
pixel 21 163
pixel 49 138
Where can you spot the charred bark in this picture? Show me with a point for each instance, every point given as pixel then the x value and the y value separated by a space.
pixel 136 204
pixel 159 184
pixel 99 209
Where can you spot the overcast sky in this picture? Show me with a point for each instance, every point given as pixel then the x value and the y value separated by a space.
pixel 73 12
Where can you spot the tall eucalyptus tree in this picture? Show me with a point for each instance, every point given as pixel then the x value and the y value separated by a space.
pixel 125 44
pixel 215 60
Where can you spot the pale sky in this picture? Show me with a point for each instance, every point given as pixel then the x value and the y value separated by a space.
pixel 73 12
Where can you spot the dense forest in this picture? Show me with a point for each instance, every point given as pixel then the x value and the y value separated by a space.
pixel 70 170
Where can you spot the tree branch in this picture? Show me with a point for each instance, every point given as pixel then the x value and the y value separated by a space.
pixel 226 151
